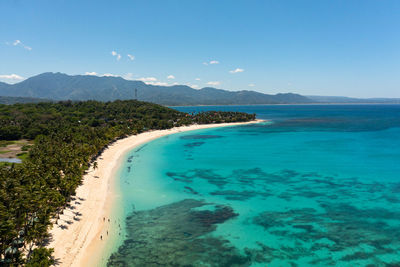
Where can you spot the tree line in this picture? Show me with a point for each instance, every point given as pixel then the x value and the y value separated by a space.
pixel 67 138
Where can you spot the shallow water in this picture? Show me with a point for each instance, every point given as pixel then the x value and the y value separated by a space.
pixel 317 185
pixel 10 160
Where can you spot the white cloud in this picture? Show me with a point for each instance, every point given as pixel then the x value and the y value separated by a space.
pixel 252 84
pixel 128 76
pixel 110 75
pixel 237 70
pixel 19 43
pixel 198 79
pixel 214 83
pixel 92 73
pixel 153 81
pixel 115 54
pixel 131 57
pixel 148 79
pixel 11 77
pixel 170 77
pixel 211 62
pixel 158 83
pixel 194 86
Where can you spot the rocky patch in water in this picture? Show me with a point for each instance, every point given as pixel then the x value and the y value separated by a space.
pixel 178 235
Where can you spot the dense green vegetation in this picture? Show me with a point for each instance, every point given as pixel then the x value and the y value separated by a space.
pixel 68 136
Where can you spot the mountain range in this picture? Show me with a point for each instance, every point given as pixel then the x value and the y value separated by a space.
pixel 58 86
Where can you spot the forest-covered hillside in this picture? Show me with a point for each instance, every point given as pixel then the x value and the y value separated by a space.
pixel 67 138
pixel 9 100
pixel 60 86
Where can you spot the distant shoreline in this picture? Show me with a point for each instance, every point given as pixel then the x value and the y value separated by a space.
pixel 80 244
pixel 296 104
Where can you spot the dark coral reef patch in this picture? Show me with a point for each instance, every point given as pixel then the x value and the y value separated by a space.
pixel 177 235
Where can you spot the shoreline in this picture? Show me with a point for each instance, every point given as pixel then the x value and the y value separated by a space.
pixel 293 104
pixel 76 237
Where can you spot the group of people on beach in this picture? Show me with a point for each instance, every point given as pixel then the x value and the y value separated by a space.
pixel 119 226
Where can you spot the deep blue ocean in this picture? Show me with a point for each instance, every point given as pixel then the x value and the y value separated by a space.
pixel 315 185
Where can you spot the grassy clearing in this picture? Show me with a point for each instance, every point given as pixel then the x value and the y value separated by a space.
pixel 5 164
pixel 4 143
pixel 14 149
pixel 23 156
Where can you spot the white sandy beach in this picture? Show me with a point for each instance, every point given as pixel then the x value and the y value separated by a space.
pixel 78 242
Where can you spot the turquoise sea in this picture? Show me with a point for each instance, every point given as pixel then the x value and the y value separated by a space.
pixel 316 185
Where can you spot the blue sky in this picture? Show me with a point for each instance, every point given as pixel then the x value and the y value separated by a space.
pixel 317 47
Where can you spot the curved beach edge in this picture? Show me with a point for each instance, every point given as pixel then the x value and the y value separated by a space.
pixel 81 234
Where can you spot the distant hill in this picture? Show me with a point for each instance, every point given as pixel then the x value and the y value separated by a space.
pixel 59 86
pixel 4 84
pixel 350 100
pixel 9 100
